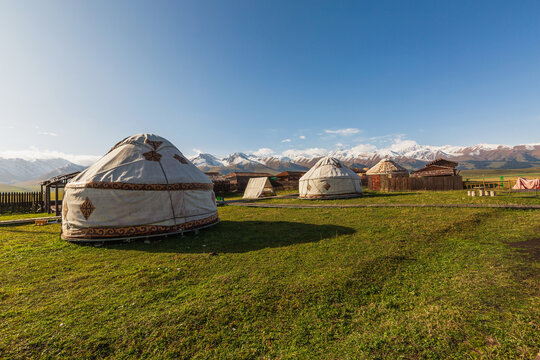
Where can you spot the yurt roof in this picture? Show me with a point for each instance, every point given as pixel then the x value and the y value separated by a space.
pixel 143 159
pixel 329 167
pixel 386 166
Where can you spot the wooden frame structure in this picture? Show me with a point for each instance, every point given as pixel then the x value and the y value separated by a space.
pixel 57 182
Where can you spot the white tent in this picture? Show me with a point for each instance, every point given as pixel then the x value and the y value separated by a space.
pixel 330 179
pixel 143 186
pixel 258 187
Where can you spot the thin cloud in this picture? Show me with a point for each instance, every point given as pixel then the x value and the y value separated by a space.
pixel 41 132
pixel 264 152
pixel 47 133
pixel 286 140
pixel 311 152
pixel 302 137
pixel 343 132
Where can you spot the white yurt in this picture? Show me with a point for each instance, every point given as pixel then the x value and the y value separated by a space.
pixel 330 179
pixel 143 186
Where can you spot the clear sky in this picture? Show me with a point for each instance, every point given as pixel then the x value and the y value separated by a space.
pixel 226 76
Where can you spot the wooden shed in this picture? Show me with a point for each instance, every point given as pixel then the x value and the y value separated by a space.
pixel 385 168
pixel 221 183
pixel 290 175
pixel 287 180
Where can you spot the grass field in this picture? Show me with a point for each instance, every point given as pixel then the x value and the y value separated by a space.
pixel 13 216
pixel 377 283
pixel 495 174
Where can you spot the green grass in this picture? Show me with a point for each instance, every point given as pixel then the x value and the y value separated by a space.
pixel 14 216
pixel 495 174
pixel 377 283
pixel 422 197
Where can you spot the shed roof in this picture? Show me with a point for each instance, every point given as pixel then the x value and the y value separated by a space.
pixel 443 162
pixel 246 173
pixel 435 170
pixel 288 173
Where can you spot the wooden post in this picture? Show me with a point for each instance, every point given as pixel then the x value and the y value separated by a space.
pixel 56 208
pixel 48 198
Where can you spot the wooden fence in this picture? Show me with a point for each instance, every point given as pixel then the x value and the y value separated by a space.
pixel 435 183
pixel 21 201
pixel 500 185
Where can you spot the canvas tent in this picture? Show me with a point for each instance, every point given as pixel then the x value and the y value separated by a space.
pixel 524 184
pixel 258 187
pixel 143 186
pixel 330 179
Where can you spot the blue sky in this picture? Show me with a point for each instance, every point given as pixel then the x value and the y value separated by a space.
pixel 226 76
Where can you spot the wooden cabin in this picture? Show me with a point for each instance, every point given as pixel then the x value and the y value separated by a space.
pixel 438 167
pixel 287 180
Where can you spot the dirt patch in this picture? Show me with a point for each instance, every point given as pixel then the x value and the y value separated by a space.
pixel 530 247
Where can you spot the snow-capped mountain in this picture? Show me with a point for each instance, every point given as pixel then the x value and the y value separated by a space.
pixel 206 161
pixel 407 152
pixel 20 170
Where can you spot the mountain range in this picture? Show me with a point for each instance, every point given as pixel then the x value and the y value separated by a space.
pixel 33 171
pixel 408 153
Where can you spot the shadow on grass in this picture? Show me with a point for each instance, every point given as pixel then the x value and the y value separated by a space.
pixel 238 237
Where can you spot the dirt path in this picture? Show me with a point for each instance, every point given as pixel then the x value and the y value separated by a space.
pixel 339 206
pixel 28 220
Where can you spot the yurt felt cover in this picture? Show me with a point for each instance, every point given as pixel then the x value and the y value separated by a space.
pixel 387 167
pixel 256 186
pixel 330 178
pixel 142 186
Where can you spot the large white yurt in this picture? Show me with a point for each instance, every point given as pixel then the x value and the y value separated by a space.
pixel 143 186
pixel 330 179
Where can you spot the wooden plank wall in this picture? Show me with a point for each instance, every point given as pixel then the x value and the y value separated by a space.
pixel 21 201
pixel 374 182
pixel 435 183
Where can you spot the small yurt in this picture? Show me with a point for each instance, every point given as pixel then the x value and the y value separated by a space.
pixel 385 167
pixel 388 167
pixel 330 179
pixel 143 186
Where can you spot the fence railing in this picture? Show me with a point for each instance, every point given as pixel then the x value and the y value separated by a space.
pixel 21 201
pixel 501 184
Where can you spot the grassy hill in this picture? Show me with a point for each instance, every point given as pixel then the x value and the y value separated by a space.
pixel 282 283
